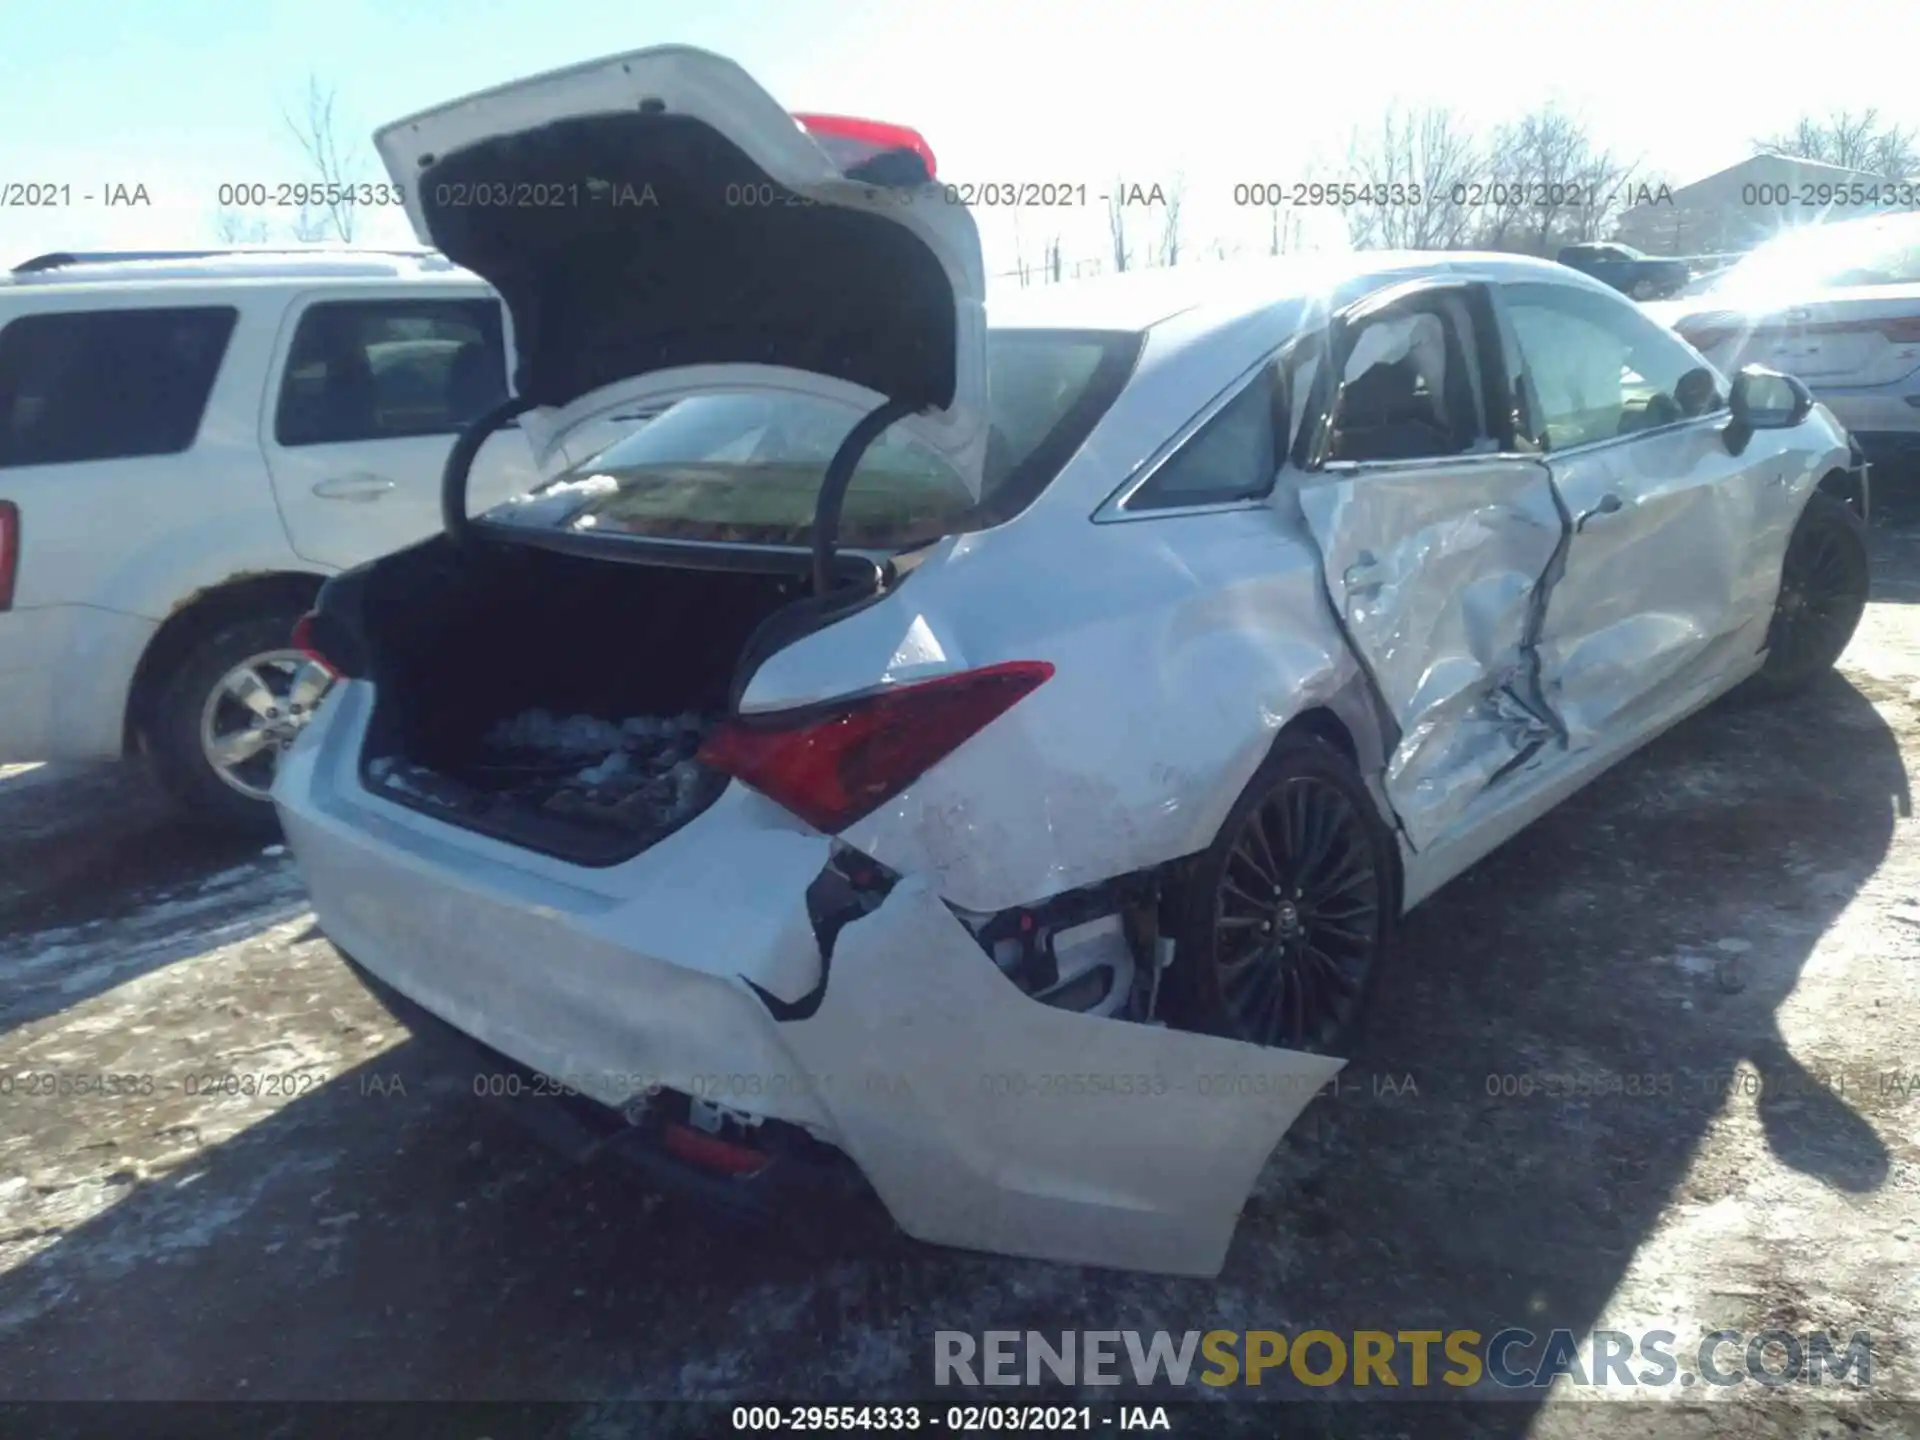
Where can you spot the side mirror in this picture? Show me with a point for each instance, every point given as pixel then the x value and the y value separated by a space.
pixel 1763 399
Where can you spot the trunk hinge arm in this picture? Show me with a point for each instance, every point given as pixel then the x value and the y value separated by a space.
pixel 833 488
pixel 453 475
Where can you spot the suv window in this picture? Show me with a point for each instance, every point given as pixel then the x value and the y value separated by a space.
pixel 1598 369
pixel 388 369
pixel 1410 390
pixel 107 384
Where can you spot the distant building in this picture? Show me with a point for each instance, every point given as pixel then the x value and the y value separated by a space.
pixel 1738 207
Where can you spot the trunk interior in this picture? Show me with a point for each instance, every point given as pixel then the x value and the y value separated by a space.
pixel 552 700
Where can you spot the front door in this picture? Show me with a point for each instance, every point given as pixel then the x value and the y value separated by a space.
pixel 1663 591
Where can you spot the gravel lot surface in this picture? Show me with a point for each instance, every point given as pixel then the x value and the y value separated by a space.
pixel 1734 912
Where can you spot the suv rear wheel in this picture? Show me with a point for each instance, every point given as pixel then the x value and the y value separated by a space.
pixel 233 703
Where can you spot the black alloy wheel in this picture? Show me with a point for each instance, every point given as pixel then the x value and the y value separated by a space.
pixel 1293 909
pixel 1824 584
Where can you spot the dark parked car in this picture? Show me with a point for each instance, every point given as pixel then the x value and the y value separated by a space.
pixel 1644 277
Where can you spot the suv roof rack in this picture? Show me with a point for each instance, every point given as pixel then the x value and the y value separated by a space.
pixel 62 259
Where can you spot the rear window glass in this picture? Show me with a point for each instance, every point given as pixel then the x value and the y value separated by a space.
pixel 107 384
pixel 748 468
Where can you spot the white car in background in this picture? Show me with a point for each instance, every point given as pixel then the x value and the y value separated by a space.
pixel 1836 305
pixel 998 746
pixel 190 442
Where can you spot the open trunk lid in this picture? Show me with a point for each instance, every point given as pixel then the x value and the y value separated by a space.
pixel 660 226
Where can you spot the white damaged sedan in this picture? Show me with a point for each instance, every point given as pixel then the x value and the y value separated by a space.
pixel 991 750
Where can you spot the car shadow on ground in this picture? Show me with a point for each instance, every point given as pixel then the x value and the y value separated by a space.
pixel 1575 1013
pixel 389 1236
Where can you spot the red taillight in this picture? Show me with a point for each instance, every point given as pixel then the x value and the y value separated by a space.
pixel 864 138
pixel 303 642
pixel 710 1152
pixel 833 765
pixel 9 551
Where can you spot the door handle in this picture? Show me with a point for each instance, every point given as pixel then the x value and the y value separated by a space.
pixel 1609 504
pixel 353 487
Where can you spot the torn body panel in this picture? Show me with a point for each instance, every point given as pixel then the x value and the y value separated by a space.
pixel 988 1120
pixel 1437 573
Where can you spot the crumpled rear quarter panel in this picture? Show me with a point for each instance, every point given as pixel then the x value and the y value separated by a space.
pixel 1180 647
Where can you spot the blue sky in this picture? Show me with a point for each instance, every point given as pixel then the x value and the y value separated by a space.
pixel 181 95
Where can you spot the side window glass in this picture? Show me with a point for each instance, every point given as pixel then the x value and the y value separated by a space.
pixel 1232 457
pixel 107 384
pixel 1600 369
pixel 1409 389
pixel 384 370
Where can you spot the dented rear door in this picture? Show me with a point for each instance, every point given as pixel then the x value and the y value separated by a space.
pixel 1436 564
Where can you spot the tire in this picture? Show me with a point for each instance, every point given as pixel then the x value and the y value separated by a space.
pixel 1307 981
pixel 1644 289
pixel 1824 582
pixel 187 697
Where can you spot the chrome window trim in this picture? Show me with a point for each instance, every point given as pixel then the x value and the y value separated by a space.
pixel 1713 418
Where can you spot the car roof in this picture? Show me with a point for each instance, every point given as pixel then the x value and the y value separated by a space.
pixel 240 265
pixel 1220 293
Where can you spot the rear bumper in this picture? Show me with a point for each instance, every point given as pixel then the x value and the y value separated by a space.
pixel 537 959
pixel 981 1117
pixel 582 1131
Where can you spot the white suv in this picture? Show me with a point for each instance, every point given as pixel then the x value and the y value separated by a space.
pixel 190 442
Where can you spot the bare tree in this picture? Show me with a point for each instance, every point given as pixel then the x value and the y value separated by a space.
pixel 331 164
pixel 1606 185
pixel 1858 141
pixel 1284 230
pixel 1414 169
pixel 234 228
pixel 309 226
pixel 1020 266
pixel 1117 224
pixel 1052 260
pixel 1541 172
pixel 1170 221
